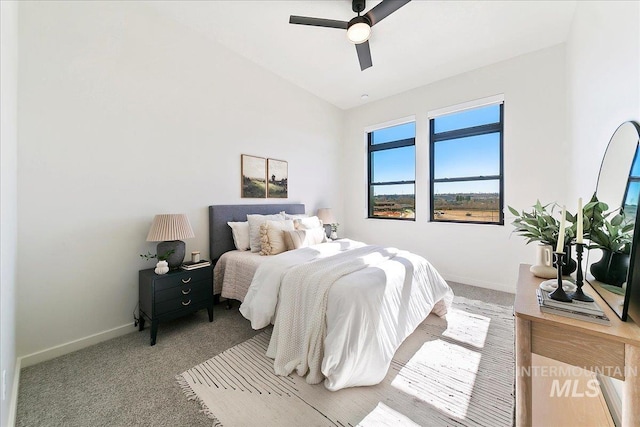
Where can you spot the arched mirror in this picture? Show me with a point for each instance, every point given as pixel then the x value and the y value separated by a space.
pixel 610 272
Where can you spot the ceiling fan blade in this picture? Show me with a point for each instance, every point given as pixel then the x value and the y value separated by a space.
pixel 364 55
pixel 318 22
pixel 384 9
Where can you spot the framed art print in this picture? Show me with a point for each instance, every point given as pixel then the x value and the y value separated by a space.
pixel 254 173
pixel 278 179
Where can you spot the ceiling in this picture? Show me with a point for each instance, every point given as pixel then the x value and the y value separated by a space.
pixel 422 42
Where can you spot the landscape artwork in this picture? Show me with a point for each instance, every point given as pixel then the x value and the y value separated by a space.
pixel 278 176
pixel 254 174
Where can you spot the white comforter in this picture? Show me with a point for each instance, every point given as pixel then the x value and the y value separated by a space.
pixel 343 308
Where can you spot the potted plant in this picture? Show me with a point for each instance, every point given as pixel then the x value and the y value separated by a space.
pixel 149 256
pixel 611 232
pixel 162 266
pixel 541 225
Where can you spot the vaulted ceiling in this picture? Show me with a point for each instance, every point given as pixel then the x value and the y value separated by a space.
pixel 422 42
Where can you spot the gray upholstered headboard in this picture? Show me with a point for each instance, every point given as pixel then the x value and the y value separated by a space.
pixel 220 237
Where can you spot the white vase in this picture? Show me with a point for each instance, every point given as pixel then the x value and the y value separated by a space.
pixel 544 263
pixel 162 267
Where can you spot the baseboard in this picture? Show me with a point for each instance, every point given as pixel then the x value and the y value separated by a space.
pixel 611 396
pixel 62 349
pixel 13 402
pixel 480 283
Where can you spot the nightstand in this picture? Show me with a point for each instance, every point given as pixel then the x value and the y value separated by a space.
pixel 169 296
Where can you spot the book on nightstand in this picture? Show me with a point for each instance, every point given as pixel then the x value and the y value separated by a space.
pixel 581 306
pixel 581 310
pixel 190 265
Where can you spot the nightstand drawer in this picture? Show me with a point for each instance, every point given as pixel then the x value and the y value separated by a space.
pixel 164 297
pixel 182 278
pixel 184 290
pixel 185 301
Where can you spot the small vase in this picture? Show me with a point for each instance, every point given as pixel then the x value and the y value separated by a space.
pixel 162 267
pixel 544 263
pixel 612 268
pixel 570 265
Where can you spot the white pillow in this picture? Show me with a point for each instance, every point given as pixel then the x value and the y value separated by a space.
pixel 302 238
pixel 308 223
pixel 272 236
pixel 240 232
pixel 255 221
pixel 295 216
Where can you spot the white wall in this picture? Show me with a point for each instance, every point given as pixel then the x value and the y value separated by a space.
pixel 603 85
pixel 124 114
pixel 8 199
pixel 535 142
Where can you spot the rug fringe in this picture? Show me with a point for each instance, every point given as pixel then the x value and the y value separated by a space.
pixel 192 395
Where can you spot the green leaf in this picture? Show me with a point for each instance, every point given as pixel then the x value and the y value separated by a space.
pixel 513 211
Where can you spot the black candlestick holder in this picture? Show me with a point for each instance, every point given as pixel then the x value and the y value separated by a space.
pixel 578 295
pixel 559 294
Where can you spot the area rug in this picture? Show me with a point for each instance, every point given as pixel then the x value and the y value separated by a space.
pixel 457 371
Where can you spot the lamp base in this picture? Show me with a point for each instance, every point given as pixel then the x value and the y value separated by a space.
pixel 175 259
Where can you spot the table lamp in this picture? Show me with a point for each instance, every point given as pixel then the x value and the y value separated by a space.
pixel 327 218
pixel 169 229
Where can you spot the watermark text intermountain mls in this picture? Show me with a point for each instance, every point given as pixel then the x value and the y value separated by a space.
pixel 565 387
pixel 564 371
pixel 571 388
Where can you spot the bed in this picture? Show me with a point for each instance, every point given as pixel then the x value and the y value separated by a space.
pixel 340 309
pixel 233 273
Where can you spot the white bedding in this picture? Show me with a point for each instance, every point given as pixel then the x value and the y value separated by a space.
pixel 342 317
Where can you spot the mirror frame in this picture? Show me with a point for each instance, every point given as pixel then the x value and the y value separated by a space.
pixel 631 302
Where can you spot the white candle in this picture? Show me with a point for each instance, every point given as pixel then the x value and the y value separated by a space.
pixel 579 231
pixel 560 246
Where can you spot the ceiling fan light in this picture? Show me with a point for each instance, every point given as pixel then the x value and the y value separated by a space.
pixel 359 32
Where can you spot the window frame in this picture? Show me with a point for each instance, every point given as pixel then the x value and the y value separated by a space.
pixel 372 148
pixel 465 133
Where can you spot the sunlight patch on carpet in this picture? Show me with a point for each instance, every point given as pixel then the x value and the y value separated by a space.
pixel 383 415
pixel 441 374
pixel 460 331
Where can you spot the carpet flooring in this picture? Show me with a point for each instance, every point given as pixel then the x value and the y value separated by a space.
pixel 126 382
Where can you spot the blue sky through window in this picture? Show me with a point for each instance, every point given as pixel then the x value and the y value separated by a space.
pixel 467 157
pixel 468 118
pixel 633 189
pixel 398 164
pixel 394 133
pixel 464 157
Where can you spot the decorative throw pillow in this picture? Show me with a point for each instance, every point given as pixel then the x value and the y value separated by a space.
pixel 302 238
pixel 272 236
pixel 240 232
pixel 255 221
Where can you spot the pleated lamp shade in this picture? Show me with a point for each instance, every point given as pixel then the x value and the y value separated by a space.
pixel 326 215
pixel 169 229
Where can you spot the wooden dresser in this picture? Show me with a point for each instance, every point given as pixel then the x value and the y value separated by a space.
pixel 613 349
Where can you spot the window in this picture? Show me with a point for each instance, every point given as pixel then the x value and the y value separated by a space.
pixel 392 172
pixel 466 166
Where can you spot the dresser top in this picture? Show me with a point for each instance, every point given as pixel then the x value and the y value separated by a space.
pixel 526 307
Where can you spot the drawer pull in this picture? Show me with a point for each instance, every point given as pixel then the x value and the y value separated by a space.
pixel 186 281
pixel 186 303
pixel 187 292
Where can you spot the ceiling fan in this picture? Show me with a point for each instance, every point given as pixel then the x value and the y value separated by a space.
pixel 359 28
